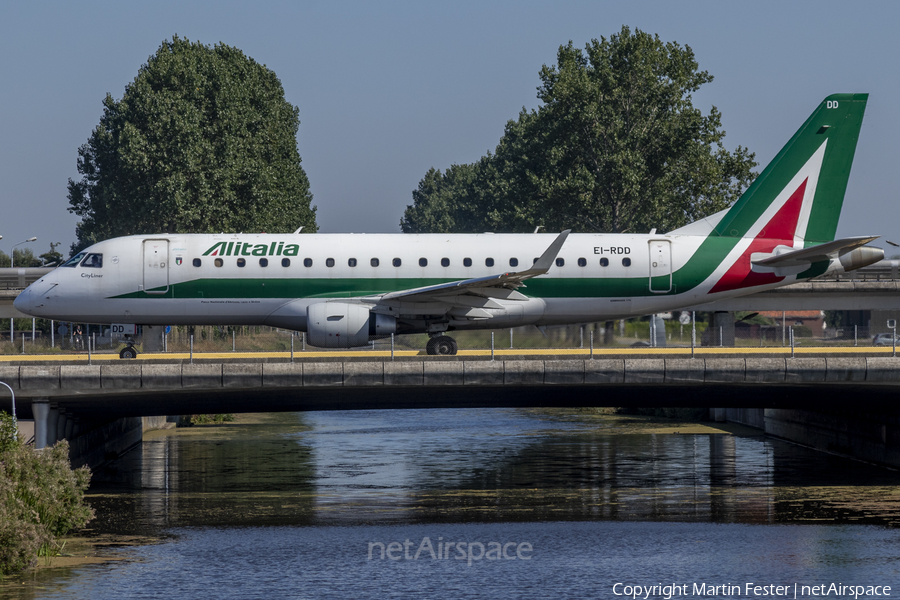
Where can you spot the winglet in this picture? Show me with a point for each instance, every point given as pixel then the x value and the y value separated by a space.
pixel 546 260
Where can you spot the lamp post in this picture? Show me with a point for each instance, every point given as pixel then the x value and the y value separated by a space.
pixel 11 254
pixel 12 328
pixel 6 385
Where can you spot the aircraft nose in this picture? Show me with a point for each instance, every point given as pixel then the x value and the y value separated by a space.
pixel 24 301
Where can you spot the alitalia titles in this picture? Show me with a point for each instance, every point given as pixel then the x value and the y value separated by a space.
pixel 248 249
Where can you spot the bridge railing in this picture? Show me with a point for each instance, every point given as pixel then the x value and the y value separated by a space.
pixel 757 332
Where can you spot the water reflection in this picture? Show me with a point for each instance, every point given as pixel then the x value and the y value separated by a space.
pixel 251 472
pixel 285 506
pixel 460 465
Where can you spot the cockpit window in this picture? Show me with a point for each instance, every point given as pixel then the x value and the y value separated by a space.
pixel 73 262
pixel 93 261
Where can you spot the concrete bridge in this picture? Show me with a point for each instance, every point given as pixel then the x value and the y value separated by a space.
pixel 140 389
pixel 851 401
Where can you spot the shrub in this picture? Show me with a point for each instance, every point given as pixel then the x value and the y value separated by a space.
pixel 212 419
pixel 8 433
pixel 802 331
pixel 41 498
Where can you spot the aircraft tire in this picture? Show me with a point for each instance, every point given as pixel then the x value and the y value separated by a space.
pixel 128 353
pixel 444 345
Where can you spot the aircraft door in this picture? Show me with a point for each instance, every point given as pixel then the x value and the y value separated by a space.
pixel 660 266
pixel 156 266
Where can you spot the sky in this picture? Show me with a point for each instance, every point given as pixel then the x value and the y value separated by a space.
pixel 387 90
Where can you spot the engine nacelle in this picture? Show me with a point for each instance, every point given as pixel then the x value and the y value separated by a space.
pixel 861 257
pixel 345 325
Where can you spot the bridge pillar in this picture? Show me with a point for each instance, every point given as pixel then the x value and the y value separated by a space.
pixel 41 410
pixel 721 330
pixel 61 424
pixel 52 424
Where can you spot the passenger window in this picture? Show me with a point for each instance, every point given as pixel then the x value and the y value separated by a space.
pixel 374 262
pixel 197 262
pixel 514 262
pixel 626 262
pixel 467 262
pixel 264 262
pixel 307 262
pixel 604 262
pixel 73 262
pixel 582 262
pixel 286 262
pixel 242 262
pixel 351 262
pixel 95 261
pixel 489 262
pixel 560 262
pixel 329 262
pixel 396 262
pixel 423 262
pixel 445 262
pixel 219 262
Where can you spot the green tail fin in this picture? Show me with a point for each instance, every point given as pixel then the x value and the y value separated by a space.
pixel 806 180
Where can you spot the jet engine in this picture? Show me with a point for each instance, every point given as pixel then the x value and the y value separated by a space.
pixel 861 257
pixel 345 325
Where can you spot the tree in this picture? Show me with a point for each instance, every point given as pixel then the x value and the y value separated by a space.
pixel 616 146
pixel 22 257
pixel 53 257
pixel 202 140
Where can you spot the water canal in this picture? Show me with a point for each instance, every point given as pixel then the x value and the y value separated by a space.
pixel 496 503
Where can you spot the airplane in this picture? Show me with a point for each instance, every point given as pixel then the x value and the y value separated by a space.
pixel 344 289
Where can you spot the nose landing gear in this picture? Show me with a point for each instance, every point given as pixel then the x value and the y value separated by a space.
pixel 441 345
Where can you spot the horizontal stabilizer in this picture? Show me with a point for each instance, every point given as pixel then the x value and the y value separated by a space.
pixel 826 251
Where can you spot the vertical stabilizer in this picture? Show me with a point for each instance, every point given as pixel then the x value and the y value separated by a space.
pixel 798 197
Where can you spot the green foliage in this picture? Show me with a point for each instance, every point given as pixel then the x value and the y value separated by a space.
pixel 52 257
pixel 22 257
pixel 616 146
pixel 212 419
pixel 755 319
pixel 41 498
pixel 202 141
pixel 802 331
pixel 8 433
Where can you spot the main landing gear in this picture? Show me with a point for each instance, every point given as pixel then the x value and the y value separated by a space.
pixel 441 345
pixel 129 351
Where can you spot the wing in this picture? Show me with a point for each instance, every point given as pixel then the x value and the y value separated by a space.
pixel 508 281
pixel 470 296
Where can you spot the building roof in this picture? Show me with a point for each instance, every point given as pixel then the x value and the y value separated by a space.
pixel 793 314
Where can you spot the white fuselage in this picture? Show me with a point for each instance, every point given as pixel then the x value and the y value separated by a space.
pixel 271 279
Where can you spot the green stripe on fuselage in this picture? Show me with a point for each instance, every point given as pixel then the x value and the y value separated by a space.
pixel 557 287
